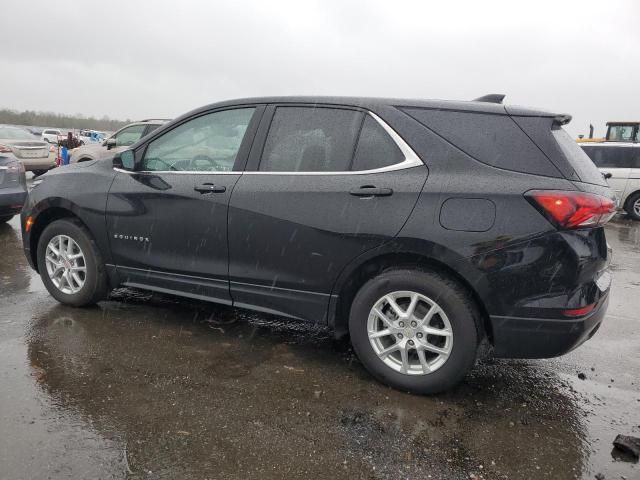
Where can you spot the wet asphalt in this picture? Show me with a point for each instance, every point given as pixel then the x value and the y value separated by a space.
pixel 146 386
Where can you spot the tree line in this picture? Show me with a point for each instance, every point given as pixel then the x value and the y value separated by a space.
pixel 50 119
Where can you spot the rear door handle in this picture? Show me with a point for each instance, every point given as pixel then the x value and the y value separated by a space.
pixel 371 191
pixel 209 188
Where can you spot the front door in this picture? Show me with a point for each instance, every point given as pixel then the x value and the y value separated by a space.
pixel 331 184
pixel 167 222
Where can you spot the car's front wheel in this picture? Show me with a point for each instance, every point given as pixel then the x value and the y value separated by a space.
pixel 70 264
pixel 417 331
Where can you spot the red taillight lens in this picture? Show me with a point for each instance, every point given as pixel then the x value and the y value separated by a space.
pixel 5 149
pixel 573 210
pixel 579 312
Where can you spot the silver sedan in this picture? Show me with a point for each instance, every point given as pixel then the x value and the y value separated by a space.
pixel 32 152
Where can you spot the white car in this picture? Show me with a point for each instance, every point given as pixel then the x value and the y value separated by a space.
pixel 127 135
pixel 51 135
pixel 619 162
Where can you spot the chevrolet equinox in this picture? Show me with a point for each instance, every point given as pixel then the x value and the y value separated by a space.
pixel 423 229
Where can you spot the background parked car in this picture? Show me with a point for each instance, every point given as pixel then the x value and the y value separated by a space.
pixel 51 135
pixel 89 137
pixel 22 146
pixel 620 163
pixel 124 137
pixel 13 185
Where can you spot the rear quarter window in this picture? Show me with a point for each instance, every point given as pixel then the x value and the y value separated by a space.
pixel 492 139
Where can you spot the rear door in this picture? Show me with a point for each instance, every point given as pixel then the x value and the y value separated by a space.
pixel 324 185
pixel 614 160
pixel 167 223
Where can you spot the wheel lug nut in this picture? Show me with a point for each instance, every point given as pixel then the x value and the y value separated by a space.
pixel 401 324
pixel 414 324
pixel 410 342
pixel 399 335
pixel 419 334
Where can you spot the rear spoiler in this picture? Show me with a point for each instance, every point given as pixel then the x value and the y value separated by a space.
pixel 561 119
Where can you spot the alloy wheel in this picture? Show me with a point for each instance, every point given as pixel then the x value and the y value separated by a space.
pixel 66 265
pixel 410 333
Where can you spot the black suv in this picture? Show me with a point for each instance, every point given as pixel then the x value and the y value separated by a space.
pixel 421 228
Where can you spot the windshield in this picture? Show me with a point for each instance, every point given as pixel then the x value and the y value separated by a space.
pixel 14 133
pixel 621 133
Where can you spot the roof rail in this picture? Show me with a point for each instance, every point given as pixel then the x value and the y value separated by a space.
pixel 491 98
pixel 157 119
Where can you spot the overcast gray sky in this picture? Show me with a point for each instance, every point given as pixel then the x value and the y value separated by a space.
pixel 161 58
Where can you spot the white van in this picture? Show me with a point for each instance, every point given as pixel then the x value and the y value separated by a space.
pixel 619 162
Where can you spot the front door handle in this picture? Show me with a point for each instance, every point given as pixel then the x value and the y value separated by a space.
pixel 371 191
pixel 209 188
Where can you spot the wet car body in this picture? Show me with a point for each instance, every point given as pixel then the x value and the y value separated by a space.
pixel 13 187
pixel 301 245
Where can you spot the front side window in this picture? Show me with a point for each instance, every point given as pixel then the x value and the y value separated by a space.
pixel 209 143
pixel 129 136
pixel 308 139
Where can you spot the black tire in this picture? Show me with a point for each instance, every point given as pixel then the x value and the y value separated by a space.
pixel 629 208
pixel 457 304
pixel 37 173
pixel 95 287
pixel 5 218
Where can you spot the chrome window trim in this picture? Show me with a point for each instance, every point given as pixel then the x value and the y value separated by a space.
pixel 411 160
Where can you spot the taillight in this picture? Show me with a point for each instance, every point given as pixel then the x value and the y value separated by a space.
pixel 16 167
pixel 5 149
pixel 572 210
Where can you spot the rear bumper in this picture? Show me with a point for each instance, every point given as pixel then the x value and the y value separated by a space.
pixel 515 337
pixel 44 163
pixel 12 200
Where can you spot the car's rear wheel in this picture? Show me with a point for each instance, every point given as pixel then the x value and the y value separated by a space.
pixel 414 330
pixel 633 206
pixel 70 264
pixel 5 218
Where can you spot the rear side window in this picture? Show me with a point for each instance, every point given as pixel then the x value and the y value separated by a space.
pixel 308 139
pixel 376 149
pixel 492 139
pixel 614 157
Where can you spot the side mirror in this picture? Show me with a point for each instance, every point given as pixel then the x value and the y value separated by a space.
pixel 124 160
pixel 607 175
pixel 110 143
